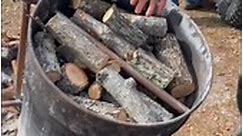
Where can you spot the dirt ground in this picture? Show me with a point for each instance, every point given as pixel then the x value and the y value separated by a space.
pixel 218 115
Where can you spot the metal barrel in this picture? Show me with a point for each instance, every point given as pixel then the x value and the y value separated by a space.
pixel 47 111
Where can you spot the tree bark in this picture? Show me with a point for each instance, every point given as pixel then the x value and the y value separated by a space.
pixel 74 79
pixel 152 69
pixel 101 31
pixel 128 97
pixel 152 26
pixel 169 52
pixel 46 53
pixel 69 34
pixel 122 27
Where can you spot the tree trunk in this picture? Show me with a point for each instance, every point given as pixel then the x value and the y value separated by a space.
pixel 122 27
pixel 126 94
pixel 46 53
pixel 69 34
pixel 169 52
pixel 103 32
pixel 74 79
pixel 152 69
pixel 152 26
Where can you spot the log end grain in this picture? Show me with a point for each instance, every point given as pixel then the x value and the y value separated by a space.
pixel 95 91
pixel 76 75
pixel 183 90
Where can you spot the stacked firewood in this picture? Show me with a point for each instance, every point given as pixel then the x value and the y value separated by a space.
pixel 72 53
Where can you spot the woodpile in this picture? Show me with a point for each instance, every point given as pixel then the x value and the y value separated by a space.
pixel 102 57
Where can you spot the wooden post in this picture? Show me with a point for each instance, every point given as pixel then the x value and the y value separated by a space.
pixel 169 52
pixel 101 31
pixel 47 56
pixel 74 79
pixel 69 34
pixel 126 94
pixel 152 69
pixel 121 26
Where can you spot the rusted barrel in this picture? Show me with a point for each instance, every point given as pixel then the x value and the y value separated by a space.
pixel 47 111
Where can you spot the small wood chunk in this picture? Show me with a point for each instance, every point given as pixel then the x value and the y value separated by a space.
pixel 47 56
pixel 69 34
pixel 125 93
pixel 122 27
pixel 14 68
pixel 74 79
pixel 122 115
pixel 8 93
pixel 169 52
pixel 101 31
pixel 152 26
pixel 152 69
pixel 95 91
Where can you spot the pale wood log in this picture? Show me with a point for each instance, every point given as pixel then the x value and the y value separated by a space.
pixel 121 26
pixel 152 69
pixel 69 34
pixel 14 68
pixel 95 91
pixel 169 52
pixel 46 55
pixel 101 31
pixel 102 108
pixel 125 93
pixel 74 79
pixel 152 26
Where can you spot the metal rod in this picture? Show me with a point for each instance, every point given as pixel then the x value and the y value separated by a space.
pixel 22 48
pixel 11 103
pixel 162 94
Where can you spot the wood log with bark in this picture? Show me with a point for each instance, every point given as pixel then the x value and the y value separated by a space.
pixel 47 58
pixel 74 79
pixel 101 31
pixel 169 52
pixel 95 8
pixel 106 109
pixel 152 26
pixel 69 34
pixel 122 27
pixel 152 69
pixel 126 94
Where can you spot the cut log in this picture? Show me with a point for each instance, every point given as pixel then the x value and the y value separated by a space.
pixel 14 68
pixel 169 52
pixel 103 32
pixel 95 91
pixel 152 69
pixel 106 109
pixel 126 94
pixel 74 79
pixel 95 8
pixel 47 56
pixel 122 27
pixel 152 26
pixel 69 34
